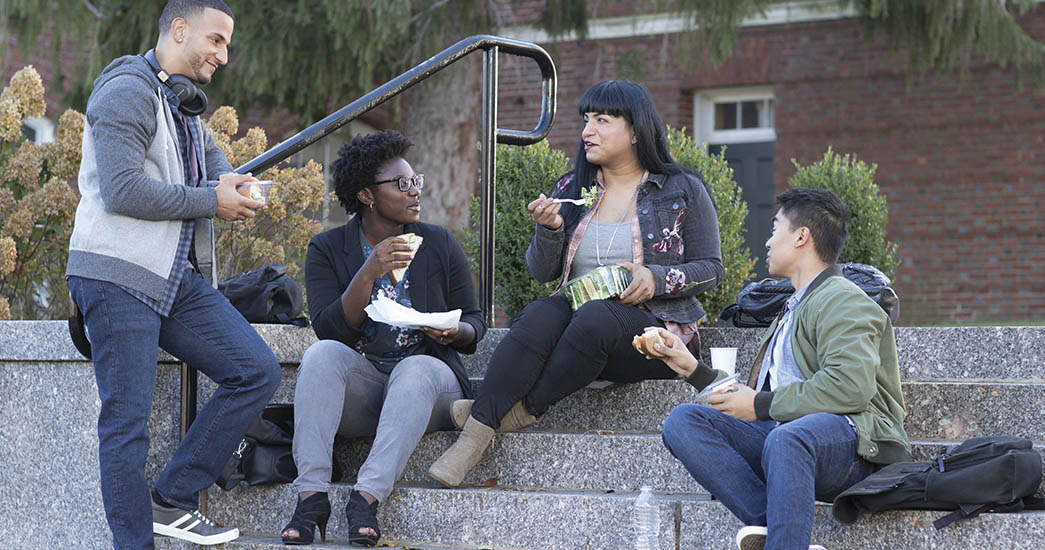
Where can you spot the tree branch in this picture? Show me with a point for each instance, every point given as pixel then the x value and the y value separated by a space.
pixel 90 7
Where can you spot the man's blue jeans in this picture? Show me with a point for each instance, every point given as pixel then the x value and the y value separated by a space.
pixel 205 331
pixel 765 472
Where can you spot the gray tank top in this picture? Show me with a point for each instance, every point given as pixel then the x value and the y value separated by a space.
pixel 620 251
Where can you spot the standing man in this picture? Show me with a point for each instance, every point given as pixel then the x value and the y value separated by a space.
pixel 141 269
pixel 822 408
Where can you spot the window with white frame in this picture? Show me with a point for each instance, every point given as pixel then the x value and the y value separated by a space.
pixel 734 115
pixel 39 130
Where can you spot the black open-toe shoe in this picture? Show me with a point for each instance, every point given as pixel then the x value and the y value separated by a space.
pixel 310 513
pixel 362 515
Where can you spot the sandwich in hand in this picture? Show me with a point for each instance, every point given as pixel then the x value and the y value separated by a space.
pixel 414 241
pixel 643 343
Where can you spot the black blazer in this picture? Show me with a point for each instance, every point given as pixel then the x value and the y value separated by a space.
pixel 440 280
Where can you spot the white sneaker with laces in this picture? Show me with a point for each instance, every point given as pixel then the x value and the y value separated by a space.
pixel 753 537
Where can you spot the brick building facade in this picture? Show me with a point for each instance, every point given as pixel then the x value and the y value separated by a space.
pixel 959 161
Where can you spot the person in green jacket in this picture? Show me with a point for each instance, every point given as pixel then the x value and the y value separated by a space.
pixel 822 408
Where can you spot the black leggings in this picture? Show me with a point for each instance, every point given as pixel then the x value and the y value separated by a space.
pixel 551 352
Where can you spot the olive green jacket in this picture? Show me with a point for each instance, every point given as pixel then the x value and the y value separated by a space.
pixel 845 348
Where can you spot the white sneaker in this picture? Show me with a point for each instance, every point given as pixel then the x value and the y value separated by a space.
pixel 751 537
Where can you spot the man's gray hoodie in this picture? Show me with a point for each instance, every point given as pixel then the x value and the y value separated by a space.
pixel 132 185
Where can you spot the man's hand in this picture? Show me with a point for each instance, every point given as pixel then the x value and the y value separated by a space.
pixel 676 355
pixel 642 286
pixel 233 206
pixel 739 404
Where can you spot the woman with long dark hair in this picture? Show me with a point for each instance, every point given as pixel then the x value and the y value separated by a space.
pixel 650 217
pixel 364 377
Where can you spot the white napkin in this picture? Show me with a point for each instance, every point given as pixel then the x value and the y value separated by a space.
pixel 392 313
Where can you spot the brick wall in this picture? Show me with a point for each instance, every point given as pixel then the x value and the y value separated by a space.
pixel 958 160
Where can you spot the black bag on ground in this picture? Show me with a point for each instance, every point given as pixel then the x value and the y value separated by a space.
pixel 759 302
pixel 265 455
pixel 266 295
pixel 982 474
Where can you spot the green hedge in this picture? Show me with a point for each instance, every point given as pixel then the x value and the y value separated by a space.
pixel 732 213
pixel 522 174
pixel 853 181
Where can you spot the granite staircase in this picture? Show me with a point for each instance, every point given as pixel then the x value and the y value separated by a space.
pixel 569 482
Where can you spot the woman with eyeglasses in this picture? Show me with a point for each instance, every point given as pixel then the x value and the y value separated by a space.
pixel 647 215
pixel 364 377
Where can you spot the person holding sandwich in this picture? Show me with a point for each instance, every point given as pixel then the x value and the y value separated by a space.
pixel 369 378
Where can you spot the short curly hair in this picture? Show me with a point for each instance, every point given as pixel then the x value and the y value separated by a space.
pixel 359 160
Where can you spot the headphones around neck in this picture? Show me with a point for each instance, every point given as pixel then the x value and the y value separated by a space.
pixel 192 100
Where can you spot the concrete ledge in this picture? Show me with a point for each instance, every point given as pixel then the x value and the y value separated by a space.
pixel 985 353
pixel 49 488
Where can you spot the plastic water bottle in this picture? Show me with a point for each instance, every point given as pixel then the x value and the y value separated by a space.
pixel 647 520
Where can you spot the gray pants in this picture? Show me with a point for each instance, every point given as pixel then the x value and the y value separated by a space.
pixel 340 392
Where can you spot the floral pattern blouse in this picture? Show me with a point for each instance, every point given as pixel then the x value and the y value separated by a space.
pixel 385 345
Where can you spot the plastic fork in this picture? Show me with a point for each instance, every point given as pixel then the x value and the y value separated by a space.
pixel 578 202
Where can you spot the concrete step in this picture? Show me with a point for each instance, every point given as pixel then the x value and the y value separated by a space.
pixel 924 352
pixel 499 518
pixel 936 409
pixel 595 461
pixel 249 541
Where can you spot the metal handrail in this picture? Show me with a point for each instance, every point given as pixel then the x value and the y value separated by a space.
pixel 490 134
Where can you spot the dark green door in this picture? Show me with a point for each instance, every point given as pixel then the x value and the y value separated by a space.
pixel 752 165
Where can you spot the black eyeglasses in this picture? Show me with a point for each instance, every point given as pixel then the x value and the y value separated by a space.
pixel 404 182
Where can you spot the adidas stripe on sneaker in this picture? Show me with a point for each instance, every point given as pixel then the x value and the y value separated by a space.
pixel 191 526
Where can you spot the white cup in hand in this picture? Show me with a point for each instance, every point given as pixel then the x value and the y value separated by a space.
pixel 724 359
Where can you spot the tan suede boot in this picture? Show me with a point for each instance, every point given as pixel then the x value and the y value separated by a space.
pixel 516 419
pixel 460 410
pixel 465 453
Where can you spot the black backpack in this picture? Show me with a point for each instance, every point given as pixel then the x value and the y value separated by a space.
pixel 265 455
pixel 266 295
pixel 982 474
pixel 759 302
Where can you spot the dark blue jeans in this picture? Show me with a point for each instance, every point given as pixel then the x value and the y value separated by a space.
pixel 765 472
pixel 205 331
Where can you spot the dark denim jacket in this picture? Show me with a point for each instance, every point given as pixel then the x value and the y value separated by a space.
pixel 678 228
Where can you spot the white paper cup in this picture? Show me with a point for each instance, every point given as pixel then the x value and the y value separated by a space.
pixel 724 359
